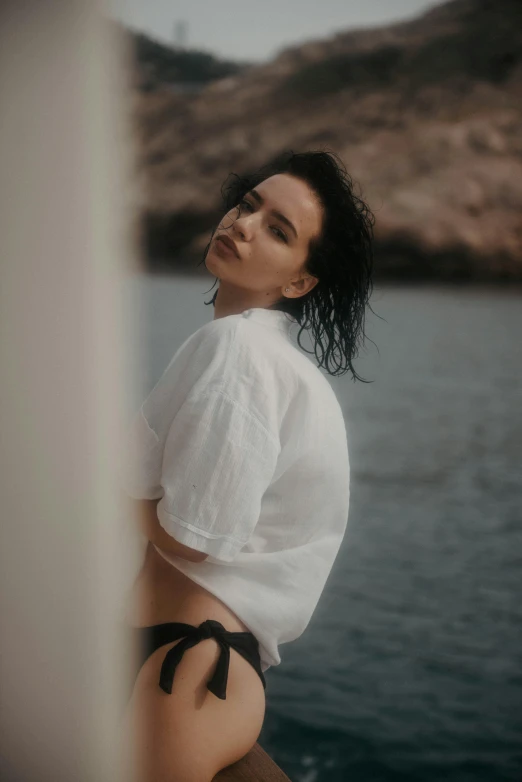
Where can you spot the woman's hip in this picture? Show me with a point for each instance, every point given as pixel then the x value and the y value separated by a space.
pixel 195 686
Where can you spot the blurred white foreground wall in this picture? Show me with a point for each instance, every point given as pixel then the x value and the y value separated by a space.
pixel 65 554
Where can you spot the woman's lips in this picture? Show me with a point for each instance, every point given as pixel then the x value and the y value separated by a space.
pixel 226 245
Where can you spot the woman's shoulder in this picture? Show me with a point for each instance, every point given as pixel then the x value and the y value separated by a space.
pixel 216 332
pixel 234 336
pixel 208 340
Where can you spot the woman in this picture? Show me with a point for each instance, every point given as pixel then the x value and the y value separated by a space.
pixel 240 465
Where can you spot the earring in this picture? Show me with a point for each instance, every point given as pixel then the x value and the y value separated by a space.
pixel 287 289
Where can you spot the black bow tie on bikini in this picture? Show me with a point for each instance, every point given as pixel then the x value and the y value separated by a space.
pixel 243 642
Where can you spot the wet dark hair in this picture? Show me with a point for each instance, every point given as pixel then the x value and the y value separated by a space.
pixel 341 258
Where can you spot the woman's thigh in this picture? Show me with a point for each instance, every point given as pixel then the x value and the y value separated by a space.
pixel 190 735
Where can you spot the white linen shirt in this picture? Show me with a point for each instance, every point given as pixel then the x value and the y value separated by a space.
pixel 244 441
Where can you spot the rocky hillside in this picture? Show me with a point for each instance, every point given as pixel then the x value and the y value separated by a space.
pixel 427 116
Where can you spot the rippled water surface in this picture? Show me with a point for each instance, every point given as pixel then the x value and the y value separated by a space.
pixel 411 668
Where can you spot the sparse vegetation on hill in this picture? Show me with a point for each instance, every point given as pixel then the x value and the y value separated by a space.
pixel 159 64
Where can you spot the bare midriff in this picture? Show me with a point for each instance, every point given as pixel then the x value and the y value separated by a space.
pixel 162 593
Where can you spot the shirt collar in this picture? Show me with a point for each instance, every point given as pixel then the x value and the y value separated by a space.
pixel 275 318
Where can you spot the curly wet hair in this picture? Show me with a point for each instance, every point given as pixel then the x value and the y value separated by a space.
pixel 341 258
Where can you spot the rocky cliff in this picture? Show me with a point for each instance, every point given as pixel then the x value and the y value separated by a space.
pixel 427 116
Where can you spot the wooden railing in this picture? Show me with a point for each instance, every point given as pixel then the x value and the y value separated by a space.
pixel 256 766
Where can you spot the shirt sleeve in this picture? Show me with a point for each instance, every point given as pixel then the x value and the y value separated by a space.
pixel 218 462
pixel 141 457
pixel 141 454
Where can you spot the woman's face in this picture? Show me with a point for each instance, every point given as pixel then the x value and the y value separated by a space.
pixel 272 230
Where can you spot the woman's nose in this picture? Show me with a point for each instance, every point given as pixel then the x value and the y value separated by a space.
pixel 243 225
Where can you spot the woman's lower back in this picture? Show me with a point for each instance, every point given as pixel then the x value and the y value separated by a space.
pixel 161 593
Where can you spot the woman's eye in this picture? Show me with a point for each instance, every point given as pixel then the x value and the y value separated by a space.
pixel 281 234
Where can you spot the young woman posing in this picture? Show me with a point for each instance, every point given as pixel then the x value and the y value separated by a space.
pixel 240 466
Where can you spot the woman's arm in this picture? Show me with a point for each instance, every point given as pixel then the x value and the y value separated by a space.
pixel 153 531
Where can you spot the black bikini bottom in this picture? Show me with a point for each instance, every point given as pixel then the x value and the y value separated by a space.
pixel 148 639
